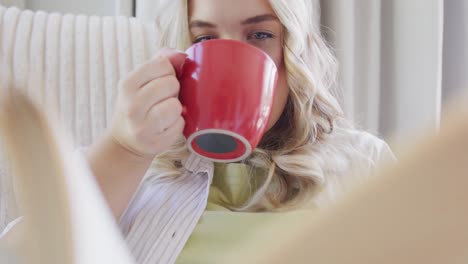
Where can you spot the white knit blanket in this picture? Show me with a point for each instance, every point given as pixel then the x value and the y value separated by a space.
pixel 69 63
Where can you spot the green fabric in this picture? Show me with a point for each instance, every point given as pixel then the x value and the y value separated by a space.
pixel 232 185
pixel 220 230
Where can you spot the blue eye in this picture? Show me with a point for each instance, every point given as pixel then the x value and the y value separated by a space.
pixel 261 36
pixel 203 38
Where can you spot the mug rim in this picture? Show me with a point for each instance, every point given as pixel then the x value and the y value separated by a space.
pixel 235 42
pixel 248 147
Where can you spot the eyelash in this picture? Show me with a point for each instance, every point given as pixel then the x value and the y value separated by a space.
pixel 202 38
pixel 266 35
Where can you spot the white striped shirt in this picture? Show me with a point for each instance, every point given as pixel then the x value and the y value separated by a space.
pixel 164 212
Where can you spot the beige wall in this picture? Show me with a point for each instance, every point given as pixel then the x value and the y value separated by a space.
pixel 90 7
pixel 8 3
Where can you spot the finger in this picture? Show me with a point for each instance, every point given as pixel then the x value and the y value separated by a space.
pixel 164 115
pixel 155 92
pixel 177 59
pixel 171 135
pixel 164 63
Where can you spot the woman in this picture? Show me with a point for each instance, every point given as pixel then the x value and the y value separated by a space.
pixel 176 208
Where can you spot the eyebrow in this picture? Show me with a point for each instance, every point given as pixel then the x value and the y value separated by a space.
pixel 259 19
pixel 248 21
pixel 201 24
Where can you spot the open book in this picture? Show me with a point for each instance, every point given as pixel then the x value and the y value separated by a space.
pixel 66 217
pixel 412 212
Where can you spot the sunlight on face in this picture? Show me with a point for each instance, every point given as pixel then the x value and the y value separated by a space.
pixel 251 21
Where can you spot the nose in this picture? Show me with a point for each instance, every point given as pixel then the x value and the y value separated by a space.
pixel 231 36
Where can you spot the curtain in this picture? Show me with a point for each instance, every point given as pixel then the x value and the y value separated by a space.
pixel 455 77
pixel 391 56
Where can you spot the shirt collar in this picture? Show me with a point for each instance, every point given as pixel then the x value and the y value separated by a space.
pixel 196 164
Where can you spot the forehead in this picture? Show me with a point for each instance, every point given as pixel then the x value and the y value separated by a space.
pixel 219 11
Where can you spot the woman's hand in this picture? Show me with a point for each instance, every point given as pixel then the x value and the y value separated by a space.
pixel 147 118
pixel 147 121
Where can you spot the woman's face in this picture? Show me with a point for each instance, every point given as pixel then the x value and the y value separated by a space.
pixel 250 21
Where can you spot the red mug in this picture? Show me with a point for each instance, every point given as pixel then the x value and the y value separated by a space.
pixel 227 90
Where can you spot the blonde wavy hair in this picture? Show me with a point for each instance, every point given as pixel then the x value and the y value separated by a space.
pixel 297 151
